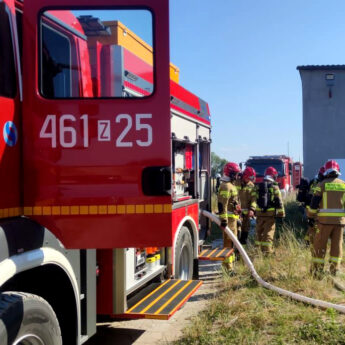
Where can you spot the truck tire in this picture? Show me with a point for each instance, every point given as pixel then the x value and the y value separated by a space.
pixel 27 319
pixel 184 255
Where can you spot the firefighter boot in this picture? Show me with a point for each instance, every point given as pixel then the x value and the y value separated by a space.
pixel 228 264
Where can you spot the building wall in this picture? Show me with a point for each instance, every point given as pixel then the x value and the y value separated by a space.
pixel 323 117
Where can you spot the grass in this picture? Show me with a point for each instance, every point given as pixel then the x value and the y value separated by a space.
pixel 245 313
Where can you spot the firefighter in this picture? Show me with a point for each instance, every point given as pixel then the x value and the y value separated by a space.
pixel 217 181
pixel 328 214
pixel 312 185
pixel 247 198
pixel 229 207
pixel 269 207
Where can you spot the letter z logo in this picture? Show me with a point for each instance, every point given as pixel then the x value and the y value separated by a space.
pixel 104 130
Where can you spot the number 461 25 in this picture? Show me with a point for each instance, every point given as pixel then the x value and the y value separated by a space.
pixel 66 136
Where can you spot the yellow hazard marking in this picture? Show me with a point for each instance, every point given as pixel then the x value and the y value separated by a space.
pixel 203 252
pixel 221 252
pixel 172 298
pixel 214 250
pixel 162 295
pixel 76 210
pixel 150 294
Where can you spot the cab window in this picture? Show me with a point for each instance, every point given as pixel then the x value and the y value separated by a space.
pixel 7 66
pixel 56 64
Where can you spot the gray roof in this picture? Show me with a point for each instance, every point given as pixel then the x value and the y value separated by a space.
pixel 321 67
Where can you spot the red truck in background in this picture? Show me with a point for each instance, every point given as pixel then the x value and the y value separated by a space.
pixel 105 163
pixel 297 173
pixel 289 173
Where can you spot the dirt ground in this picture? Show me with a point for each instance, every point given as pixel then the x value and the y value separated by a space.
pixel 150 332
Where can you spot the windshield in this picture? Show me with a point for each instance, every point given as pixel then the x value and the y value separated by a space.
pixel 261 165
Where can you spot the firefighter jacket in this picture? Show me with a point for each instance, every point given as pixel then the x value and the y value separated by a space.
pixel 327 204
pixel 227 201
pixel 313 184
pixel 247 196
pixel 275 206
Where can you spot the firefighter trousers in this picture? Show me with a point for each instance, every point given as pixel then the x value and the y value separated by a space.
pixel 227 243
pixel 245 229
pixel 311 235
pixel 265 228
pixel 322 234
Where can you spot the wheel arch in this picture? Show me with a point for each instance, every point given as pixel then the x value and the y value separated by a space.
pixel 193 229
pixel 47 273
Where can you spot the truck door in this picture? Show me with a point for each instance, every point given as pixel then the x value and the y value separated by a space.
pixel 96 164
pixel 9 114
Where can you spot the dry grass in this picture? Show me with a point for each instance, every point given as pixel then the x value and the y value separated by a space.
pixel 245 313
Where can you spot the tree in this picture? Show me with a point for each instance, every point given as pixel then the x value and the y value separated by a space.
pixel 217 164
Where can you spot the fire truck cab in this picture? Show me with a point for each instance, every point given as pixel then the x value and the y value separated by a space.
pixel 283 165
pixel 105 164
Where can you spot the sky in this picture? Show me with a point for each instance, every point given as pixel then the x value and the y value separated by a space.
pixel 241 57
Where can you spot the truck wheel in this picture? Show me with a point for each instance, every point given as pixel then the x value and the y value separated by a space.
pixel 27 319
pixel 184 255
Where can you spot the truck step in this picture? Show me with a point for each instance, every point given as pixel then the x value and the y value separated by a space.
pixel 215 254
pixel 164 301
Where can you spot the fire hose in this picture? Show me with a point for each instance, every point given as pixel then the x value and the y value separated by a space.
pixel 255 275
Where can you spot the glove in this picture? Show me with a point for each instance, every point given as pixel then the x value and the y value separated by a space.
pixel 223 223
pixel 238 209
pixel 311 222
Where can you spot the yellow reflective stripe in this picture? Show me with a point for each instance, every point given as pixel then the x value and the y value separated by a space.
pixel 258 243
pixel 224 193
pixel 318 260
pixel 343 199
pixel 335 187
pixel 233 216
pixel 230 259
pixel 266 244
pixel 331 214
pixel 269 209
pixel 335 259
pixel 223 215
pixel 324 199
pixel 317 189
pixel 312 210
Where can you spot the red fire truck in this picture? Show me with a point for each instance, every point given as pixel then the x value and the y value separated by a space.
pixel 105 164
pixel 282 163
pixel 297 173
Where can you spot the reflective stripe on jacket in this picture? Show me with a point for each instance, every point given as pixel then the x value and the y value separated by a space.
pixel 276 206
pixel 247 196
pixel 227 200
pixel 328 202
